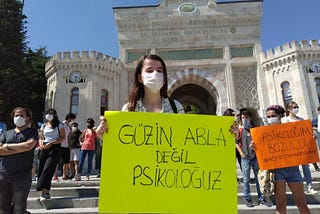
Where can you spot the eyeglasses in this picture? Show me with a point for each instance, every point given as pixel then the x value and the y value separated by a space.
pixel 296 107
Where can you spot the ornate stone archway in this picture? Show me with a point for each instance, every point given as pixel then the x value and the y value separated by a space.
pixel 199 87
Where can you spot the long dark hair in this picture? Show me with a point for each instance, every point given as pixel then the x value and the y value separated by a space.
pixel 55 121
pixel 137 89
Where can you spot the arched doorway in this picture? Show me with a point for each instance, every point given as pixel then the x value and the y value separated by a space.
pixel 195 98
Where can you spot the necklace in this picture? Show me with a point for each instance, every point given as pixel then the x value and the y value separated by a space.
pixel 152 107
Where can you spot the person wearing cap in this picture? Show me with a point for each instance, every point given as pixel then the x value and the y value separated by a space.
pixel 290 175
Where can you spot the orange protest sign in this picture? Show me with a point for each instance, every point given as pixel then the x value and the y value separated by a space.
pixel 284 145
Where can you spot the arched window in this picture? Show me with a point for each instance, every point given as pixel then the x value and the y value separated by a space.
pixel 50 101
pixel 104 101
pixel 317 80
pixel 286 93
pixel 74 101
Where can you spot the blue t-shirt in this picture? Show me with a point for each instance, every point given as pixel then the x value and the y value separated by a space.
pixel 3 127
pixel 21 163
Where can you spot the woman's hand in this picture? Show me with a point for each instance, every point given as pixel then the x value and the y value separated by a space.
pixel 253 146
pixel 48 145
pixel 242 155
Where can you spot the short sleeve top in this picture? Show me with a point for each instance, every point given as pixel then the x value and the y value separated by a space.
pixel 51 134
pixel 20 163
pixel 166 106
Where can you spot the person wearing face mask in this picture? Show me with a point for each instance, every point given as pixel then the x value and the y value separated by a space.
pixel 249 159
pixel 65 145
pixel 3 126
pixel 100 130
pixel 16 160
pixel 289 175
pixel 75 151
pixel 52 133
pixel 149 92
pixel 292 110
pixel 88 146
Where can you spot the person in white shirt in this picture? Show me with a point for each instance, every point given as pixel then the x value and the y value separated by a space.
pixel 292 110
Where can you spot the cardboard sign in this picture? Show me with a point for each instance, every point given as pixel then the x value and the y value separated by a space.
pixel 284 145
pixel 168 163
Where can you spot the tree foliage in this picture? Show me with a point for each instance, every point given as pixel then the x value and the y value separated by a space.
pixel 22 79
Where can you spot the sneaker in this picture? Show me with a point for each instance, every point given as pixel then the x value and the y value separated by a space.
pixel 87 178
pixel 56 179
pixel 34 178
pixel 77 178
pixel 44 196
pixel 264 203
pixel 312 191
pixel 65 178
pixel 249 203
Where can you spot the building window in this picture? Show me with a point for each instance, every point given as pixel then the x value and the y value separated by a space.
pixel 241 52
pixel 74 101
pixel 50 101
pixel 317 80
pixel 104 101
pixel 193 54
pixel 286 93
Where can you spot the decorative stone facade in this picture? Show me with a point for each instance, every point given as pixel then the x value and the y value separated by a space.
pixel 98 72
pixel 291 63
pixel 213 56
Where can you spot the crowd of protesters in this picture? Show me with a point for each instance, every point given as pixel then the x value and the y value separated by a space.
pixel 30 152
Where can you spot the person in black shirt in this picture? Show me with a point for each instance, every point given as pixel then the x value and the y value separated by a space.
pixel 16 160
pixel 75 151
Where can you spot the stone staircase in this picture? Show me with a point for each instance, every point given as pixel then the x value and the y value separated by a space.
pixel 70 197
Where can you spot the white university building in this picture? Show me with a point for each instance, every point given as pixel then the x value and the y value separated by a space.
pixel 213 55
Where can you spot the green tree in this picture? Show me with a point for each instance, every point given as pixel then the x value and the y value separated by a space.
pixel 37 84
pixel 12 46
pixel 22 79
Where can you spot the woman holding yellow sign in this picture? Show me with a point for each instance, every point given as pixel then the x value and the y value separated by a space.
pixel 149 92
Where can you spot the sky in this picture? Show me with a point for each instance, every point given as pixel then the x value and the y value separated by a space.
pixel 78 25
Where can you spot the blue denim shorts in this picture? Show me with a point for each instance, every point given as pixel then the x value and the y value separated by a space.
pixel 288 174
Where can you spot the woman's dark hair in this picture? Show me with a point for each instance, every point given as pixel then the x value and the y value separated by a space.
pixel 90 121
pixel 55 121
pixel 229 112
pixel 277 108
pixel 137 89
pixel 26 110
pixel 70 116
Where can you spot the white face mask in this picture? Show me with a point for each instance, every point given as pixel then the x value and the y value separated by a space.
pixel 49 117
pixel 153 81
pixel 273 120
pixel 295 111
pixel 19 121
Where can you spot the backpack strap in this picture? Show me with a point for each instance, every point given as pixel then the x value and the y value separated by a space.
pixel 173 106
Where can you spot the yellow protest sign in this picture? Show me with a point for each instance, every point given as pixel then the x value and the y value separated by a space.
pixel 168 163
pixel 284 145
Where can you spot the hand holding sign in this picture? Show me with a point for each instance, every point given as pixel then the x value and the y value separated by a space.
pixel 168 163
